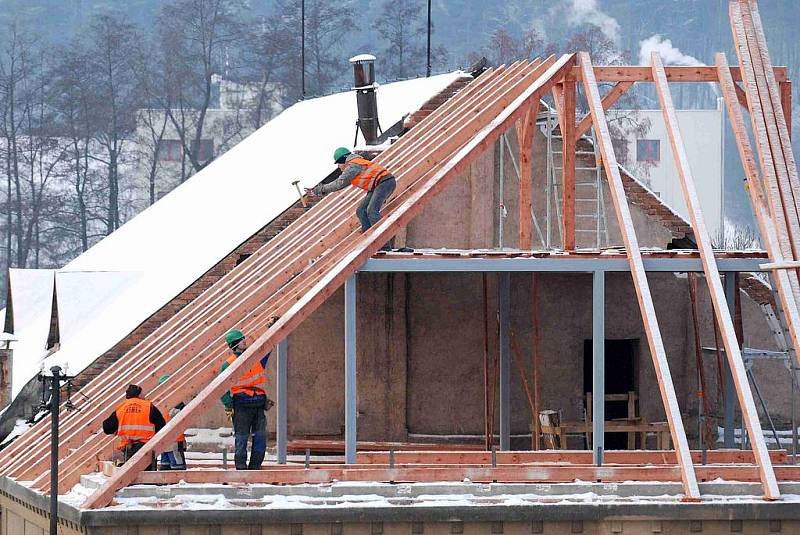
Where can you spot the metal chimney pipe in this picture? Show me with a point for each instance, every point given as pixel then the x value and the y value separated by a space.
pixel 366 98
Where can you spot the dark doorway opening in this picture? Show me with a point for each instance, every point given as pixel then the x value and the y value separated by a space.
pixel 621 371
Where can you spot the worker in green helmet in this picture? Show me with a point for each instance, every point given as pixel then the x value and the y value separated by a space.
pixel 245 404
pixel 174 459
pixel 372 177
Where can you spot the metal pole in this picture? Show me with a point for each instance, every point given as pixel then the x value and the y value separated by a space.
pixel 428 64
pixel 504 291
pixel 55 402
pixel 729 440
pixel 501 195
pixel 350 370
pixel 598 368
pixel 303 47
pixel 281 435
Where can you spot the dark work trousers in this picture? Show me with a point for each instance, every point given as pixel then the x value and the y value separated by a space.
pixel 247 420
pixel 130 450
pixel 369 211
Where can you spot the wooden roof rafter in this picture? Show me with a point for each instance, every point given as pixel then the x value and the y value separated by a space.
pixel 492 121
pixel 722 312
pixel 645 299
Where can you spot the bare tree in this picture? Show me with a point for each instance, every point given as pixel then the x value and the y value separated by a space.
pixel 326 24
pixel 113 46
pixel 401 26
pixel 504 48
pixel 200 38
pixel 269 52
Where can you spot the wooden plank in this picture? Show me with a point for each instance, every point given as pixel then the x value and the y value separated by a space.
pixel 349 213
pixel 568 147
pixel 639 275
pixel 786 104
pixel 355 255
pixel 536 357
pixel 740 94
pixel 786 223
pixel 781 277
pixel 504 474
pixel 318 263
pixel 753 21
pixel 337 446
pixel 713 282
pixel 329 204
pixel 701 73
pixel 525 131
pixel 290 300
pixel 611 98
pixel 565 456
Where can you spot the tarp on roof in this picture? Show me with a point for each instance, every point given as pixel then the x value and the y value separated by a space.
pixel 175 241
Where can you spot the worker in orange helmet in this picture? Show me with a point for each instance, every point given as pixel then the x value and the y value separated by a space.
pixel 134 421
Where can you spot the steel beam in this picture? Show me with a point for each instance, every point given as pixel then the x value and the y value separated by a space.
pixel 729 400
pixel 504 303
pixel 281 435
pixel 350 410
pixel 557 265
pixel 598 367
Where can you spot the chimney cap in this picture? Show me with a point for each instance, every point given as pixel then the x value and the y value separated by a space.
pixel 361 58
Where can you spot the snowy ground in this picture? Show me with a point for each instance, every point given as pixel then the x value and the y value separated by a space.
pixel 186 496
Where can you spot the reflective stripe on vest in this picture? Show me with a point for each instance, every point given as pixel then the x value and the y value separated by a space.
pixel 370 176
pixel 252 383
pixel 134 425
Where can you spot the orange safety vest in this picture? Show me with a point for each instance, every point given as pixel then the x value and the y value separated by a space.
pixel 252 383
pixel 133 417
pixel 181 437
pixel 372 174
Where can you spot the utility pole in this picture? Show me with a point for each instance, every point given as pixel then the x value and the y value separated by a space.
pixel 428 64
pixel 56 379
pixel 303 47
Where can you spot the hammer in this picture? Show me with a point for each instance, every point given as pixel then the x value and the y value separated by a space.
pixel 302 197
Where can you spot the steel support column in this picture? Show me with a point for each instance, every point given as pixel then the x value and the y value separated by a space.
pixel 504 300
pixel 729 401
pixel 598 367
pixel 350 413
pixel 281 435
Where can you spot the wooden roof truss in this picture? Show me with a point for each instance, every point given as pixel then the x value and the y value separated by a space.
pixel 293 274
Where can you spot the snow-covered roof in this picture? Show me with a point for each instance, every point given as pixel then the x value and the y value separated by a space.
pixel 110 289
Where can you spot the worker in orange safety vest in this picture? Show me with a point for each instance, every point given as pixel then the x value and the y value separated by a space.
pixel 370 176
pixel 245 404
pixel 134 421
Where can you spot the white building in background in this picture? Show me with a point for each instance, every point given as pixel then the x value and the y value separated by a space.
pixel 650 159
pixel 231 118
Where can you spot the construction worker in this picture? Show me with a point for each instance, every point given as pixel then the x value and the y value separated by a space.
pixel 373 178
pixel 175 458
pixel 245 404
pixel 134 421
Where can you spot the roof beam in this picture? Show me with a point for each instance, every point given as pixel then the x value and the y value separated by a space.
pixel 512 104
pixel 611 98
pixel 674 74
pixel 723 314
pixel 656 344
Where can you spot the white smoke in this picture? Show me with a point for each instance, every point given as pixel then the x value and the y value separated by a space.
pixel 669 54
pixel 587 12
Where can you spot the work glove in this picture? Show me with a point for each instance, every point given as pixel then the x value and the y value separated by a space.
pixel 229 413
pixel 268 404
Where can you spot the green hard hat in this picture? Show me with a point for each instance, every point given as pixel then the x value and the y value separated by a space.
pixel 163 378
pixel 233 337
pixel 340 154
